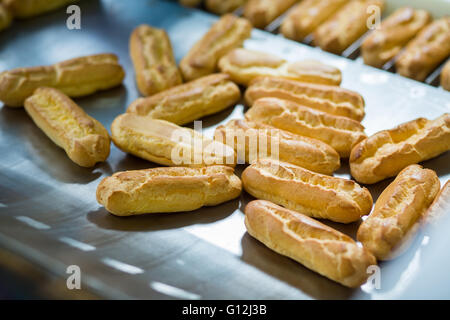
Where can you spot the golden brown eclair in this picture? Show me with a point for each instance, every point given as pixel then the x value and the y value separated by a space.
pixel 76 77
pixel 309 242
pixel 166 143
pixel 174 189
pixel 387 152
pixel 244 65
pixel 189 101
pixel 262 12
pixel 5 17
pixel 346 26
pixel 226 34
pixel 445 76
pixel 440 206
pixel 306 16
pixel 340 133
pixel 398 211
pixel 223 6
pixel 426 51
pixel 31 8
pixel 83 138
pixel 385 43
pixel 329 99
pixel 190 3
pixel 246 138
pixel 153 60
pixel 313 194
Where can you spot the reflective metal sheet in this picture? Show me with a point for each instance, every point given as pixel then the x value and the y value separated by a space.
pixel 49 214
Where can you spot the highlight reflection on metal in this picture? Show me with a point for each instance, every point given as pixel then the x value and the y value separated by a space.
pixel 206 252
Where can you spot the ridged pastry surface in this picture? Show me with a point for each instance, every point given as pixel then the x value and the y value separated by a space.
pixel 262 12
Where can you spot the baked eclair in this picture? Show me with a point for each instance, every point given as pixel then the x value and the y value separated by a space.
pixel 175 189
pixel 75 77
pixel 83 138
pixel 387 152
pixel 223 6
pixel 313 244
pixel 166 143
pixel 398 212
pixel 153 60
pixel 262 12
pixel 329 99
pixel 30 8
pixel 445 76
pixel 340 133
pixel 189 101
pixel 395 32
pixel 346 26
pixel 5 17
pixel 252 141
pixel 313 194
pixel 426 51
pixel 440 206
pixel 306 16
pixel 225 35
pixel 244 65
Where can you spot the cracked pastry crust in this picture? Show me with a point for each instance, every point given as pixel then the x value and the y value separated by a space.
pixel 175 189
pixel 309 242
pixel 223 6
pixel 153 60
pixel 340 133
pixel 426 51
pixel 313 194
pixel 225 35
pixel 84 139
pixel 5 17
pixel 189 101
pixel 330 99
pixel 306 16
pixel 166 143
pixel 398 212
pixel 76 77
pixel 30 8
pixel 445 76
pixel 346 26
pixel 387 152
pixel 244 65
pixel 395 32
pixel 262 12
pixel 306 152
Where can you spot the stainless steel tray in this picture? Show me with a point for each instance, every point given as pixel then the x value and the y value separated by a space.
pixel 48 211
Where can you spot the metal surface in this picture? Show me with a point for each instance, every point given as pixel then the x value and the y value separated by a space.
pixel 49 214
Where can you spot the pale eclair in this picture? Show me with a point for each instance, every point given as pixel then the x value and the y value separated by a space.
pixel 189 101
pixel 253 141
pixel 329 99
pixel 445 76
pixel 31 8
pixel 426 51
pixel 244 65
pixel 309 242
pixel 341 133
pixel 175 189
pixel 83 138
pixel 153 60
pixel 398 212
pixel 440 206
pixel 5 17
pixel 226 34
pixel 387 152
pixel 385 43
pixel 347 25
pixel 76 77
pixel 166 143
pixel 313 194
pixel 306 16
pixel 262 12
pixel 223 6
